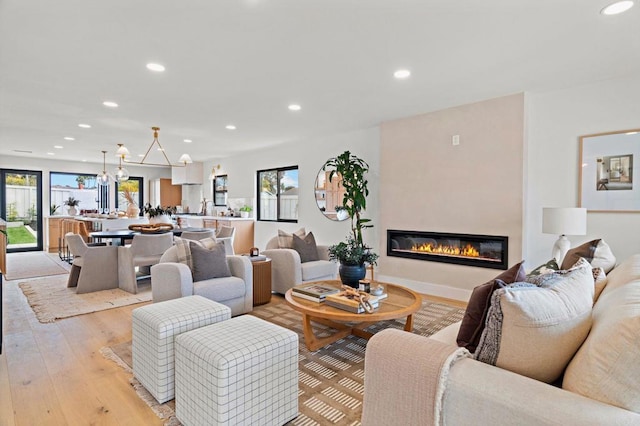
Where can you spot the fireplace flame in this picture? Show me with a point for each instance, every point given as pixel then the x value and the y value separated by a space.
pixel 468 250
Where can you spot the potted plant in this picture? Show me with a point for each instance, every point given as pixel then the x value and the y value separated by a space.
pixel 129 188
pixel 81 180
pixel 72 203
pixel 245 210
pixel 159 214
pixel 53 209
pixel 352 254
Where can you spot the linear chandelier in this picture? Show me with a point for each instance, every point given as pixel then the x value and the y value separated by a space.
pixel 123 152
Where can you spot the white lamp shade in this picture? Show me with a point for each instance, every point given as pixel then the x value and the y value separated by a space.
pixel 185 158
pixel 122 151
pixel 564 220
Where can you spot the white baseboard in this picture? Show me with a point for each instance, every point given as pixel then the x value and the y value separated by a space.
pixel 429 288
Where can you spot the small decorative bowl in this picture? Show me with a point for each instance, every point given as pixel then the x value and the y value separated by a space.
pixel 377 291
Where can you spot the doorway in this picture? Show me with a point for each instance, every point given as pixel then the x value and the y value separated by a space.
pixel 21 208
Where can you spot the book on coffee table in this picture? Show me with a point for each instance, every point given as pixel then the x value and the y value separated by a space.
pixel 315 292
pixel 341 301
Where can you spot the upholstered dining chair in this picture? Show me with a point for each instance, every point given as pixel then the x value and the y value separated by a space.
pixel 145 250
pixel 94 268
pixel 197 235
pixel 228 235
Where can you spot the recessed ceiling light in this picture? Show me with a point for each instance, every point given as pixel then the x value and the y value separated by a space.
pixel 155 67
pixel 295 107
pixel 84 126
pixel 617 7
pixel 232 127
pixel 187 141
pixel 110 104
pixel 50 153
pixel 402 74
pixel 58 146
pixel 69 138
pixel 84 160
pixel 140 155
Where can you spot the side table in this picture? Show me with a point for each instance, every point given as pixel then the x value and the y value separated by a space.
pixel 261 281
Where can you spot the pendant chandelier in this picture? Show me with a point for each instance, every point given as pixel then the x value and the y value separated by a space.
pixel 104 178
pixel 121 174
pixel 182 162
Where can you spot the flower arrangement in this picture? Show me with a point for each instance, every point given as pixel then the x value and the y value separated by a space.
pixel 159 211
pixel 71 202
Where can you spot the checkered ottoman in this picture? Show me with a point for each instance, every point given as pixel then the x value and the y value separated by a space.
pixel 154 330
pixel 238 372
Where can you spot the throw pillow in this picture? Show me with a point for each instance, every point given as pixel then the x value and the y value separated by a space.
pixel 476 313
pixel 535 331
pixel 183 250
pixel 597 252
pixel 285 239
pixel 545 268
pixel 607 366
pixel 600 281
pixel 306 247
pixel 209 262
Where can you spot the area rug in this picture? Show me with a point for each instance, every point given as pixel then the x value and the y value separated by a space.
pixel 51 299
pixel 331 380
pixel 31 265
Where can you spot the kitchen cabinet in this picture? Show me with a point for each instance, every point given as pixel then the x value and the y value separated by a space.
pixel 163 193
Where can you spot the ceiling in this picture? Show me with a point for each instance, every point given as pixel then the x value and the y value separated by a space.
pixel 242 62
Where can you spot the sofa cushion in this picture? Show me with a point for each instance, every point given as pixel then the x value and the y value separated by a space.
pixel 597 252
pixel 183 250
pixel 285 239
pixel 306 247
pixel 476 313
pixel 209 262
pixel 318 269
pixel 220 289
pixel 545 268
pixel 607 366
pixel 535 331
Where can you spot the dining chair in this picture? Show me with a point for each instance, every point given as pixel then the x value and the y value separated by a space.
pixel 93 268
pixel 145 250
pixel 197 235
pixel 228 235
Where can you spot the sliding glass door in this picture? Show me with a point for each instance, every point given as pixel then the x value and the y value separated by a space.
pixel 21 208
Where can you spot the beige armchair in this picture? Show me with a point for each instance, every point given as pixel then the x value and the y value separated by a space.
pixel 94 268
pixel 288 271
pixel 171 280
pixel 144 251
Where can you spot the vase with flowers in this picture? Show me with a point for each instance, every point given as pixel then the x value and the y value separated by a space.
pixel 72 203
pixel 159 214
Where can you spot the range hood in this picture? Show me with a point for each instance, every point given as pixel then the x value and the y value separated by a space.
pixel 191 174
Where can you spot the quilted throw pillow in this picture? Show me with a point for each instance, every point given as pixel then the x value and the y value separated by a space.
pixel 534 330
pixel 183 250
pixel 475 315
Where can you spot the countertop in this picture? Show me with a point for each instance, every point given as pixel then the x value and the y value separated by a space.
pixel 192 216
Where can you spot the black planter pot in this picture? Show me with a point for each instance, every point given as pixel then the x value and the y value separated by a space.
pixel 352 274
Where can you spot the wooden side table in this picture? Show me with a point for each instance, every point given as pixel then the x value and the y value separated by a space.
pixel 261 282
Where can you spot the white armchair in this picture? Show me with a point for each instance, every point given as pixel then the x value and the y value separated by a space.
pixel 288 271
pixel 171 280
pixel 94 268
pixel 145 250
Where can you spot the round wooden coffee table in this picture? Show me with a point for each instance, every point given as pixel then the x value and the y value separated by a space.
pixel 400 303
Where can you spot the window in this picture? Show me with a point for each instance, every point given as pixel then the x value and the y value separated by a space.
pixel 129 191
pixel 81 187
pixel 220 191
pixel 278 194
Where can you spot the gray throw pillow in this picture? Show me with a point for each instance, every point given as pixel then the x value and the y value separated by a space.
pixel 306 247
pixel 209 263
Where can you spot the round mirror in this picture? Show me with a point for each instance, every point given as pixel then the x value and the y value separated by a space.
pixel 329 195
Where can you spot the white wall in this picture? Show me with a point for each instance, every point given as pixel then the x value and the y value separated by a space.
pixel 309 155
pixel 48 165
pixel 556 120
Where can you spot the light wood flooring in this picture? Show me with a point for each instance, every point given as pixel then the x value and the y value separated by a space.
pixel 54 374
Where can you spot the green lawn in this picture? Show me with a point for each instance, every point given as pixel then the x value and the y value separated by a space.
pixel 20 235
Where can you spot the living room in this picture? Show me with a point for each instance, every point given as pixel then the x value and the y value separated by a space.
pixel 517 152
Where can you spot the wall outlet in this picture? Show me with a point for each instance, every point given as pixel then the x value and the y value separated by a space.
pixel 455 140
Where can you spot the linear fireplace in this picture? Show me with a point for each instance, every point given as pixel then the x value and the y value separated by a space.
pixel 485 251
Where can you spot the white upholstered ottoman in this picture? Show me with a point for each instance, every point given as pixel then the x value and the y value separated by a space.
pixel 155 327
pixel 238 372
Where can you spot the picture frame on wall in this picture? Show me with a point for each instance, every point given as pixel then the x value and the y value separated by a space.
pixel 609 173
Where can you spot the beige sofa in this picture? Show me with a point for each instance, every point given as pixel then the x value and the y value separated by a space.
pixel 601 383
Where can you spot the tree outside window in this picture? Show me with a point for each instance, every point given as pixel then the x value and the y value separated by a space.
pixel 278 194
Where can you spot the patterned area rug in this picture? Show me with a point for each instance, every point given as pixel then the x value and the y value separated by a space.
pixel 331 380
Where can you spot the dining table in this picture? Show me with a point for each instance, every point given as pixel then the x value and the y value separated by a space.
pixel 119 236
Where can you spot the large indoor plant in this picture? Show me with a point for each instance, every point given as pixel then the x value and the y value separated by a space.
pixel 353 254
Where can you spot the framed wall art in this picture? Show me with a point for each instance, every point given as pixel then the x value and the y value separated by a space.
pixel 608 173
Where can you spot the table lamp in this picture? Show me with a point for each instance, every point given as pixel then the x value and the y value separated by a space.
pixel 563 221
